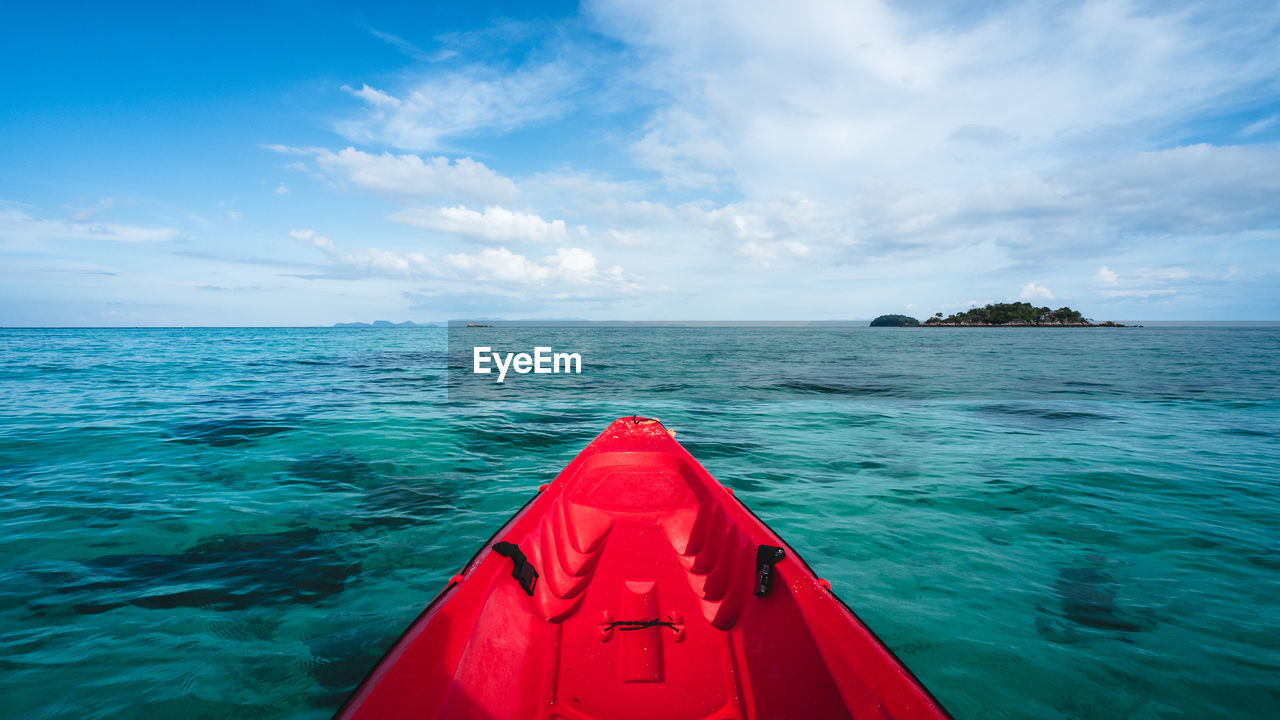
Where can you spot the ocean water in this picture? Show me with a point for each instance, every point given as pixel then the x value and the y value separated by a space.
pixel 1042 523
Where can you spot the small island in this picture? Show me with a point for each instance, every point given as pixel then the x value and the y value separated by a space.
pixel 1019 314
pixel 895 321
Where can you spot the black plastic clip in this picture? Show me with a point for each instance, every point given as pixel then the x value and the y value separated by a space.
pixel 523 570
pixel 766 557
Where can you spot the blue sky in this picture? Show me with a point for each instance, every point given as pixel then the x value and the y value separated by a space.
pixel 290 163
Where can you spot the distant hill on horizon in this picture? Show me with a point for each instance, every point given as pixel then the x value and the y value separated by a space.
pixel 387 324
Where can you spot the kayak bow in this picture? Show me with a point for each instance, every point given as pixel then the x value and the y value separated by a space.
pixel 637 586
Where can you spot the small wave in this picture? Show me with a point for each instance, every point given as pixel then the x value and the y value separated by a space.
pixel 225 432
pixel 1038 413
pixel 404 504
pixel 816 388
pixel 1247 432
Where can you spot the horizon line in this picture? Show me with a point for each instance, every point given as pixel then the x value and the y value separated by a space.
pixel 498 324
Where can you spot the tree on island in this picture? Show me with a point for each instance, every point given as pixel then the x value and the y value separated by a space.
pixel 895 321
pixel 1019 313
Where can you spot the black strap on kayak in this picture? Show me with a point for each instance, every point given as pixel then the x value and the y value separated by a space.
pixel 625 625
pixel 522 569
pixel 766 557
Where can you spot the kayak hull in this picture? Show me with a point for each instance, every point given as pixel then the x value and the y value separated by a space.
pixel 637 586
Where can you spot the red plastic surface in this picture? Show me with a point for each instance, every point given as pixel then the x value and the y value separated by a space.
pixel 635 530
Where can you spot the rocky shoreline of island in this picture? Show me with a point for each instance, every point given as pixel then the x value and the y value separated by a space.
pixel 1019 314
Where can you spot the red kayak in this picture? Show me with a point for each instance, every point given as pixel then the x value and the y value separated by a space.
pixel 636 586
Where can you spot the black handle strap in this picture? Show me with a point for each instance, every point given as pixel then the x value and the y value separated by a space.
pixel 766 557
pixel 522 569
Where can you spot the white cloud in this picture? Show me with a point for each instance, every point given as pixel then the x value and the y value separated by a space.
pixel 1258 126
pixel 458 103
pixel 411 49
pixel 1189 189
pixel 1106 276
pixel 287 149
pixel 373 96
pixel 235 215
pixel 574 266
pixel 603 201
pixel 796 248
pixel 1023 123
pixel 385 262
pixel 312 238
pixel 683 148
pixel 282 189
pixel 569 272
pixel 371 261
pixel 865 83
pixel 88 213
pixel 495 224
pixel 1163 292
pixel 19 227
pixel 409 175
pixel 1153 278
pixel 1032 291
pixel 794 226
pixel 1162 274
pixel 765 254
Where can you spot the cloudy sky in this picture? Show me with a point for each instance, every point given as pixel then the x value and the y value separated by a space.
pixel 285 163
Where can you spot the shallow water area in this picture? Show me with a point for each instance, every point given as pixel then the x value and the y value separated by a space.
pixel 1042 523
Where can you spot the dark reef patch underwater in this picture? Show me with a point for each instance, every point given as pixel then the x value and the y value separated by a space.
pixel 223 572
pixel 1049 525
pixel 1086 594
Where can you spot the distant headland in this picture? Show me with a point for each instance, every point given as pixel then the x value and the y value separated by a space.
pixel 1019 314
pixel 385 324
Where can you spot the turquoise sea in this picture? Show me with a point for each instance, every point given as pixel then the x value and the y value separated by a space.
pixel 1042 523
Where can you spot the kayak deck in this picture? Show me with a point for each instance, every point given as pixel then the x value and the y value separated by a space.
pixel 636 586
